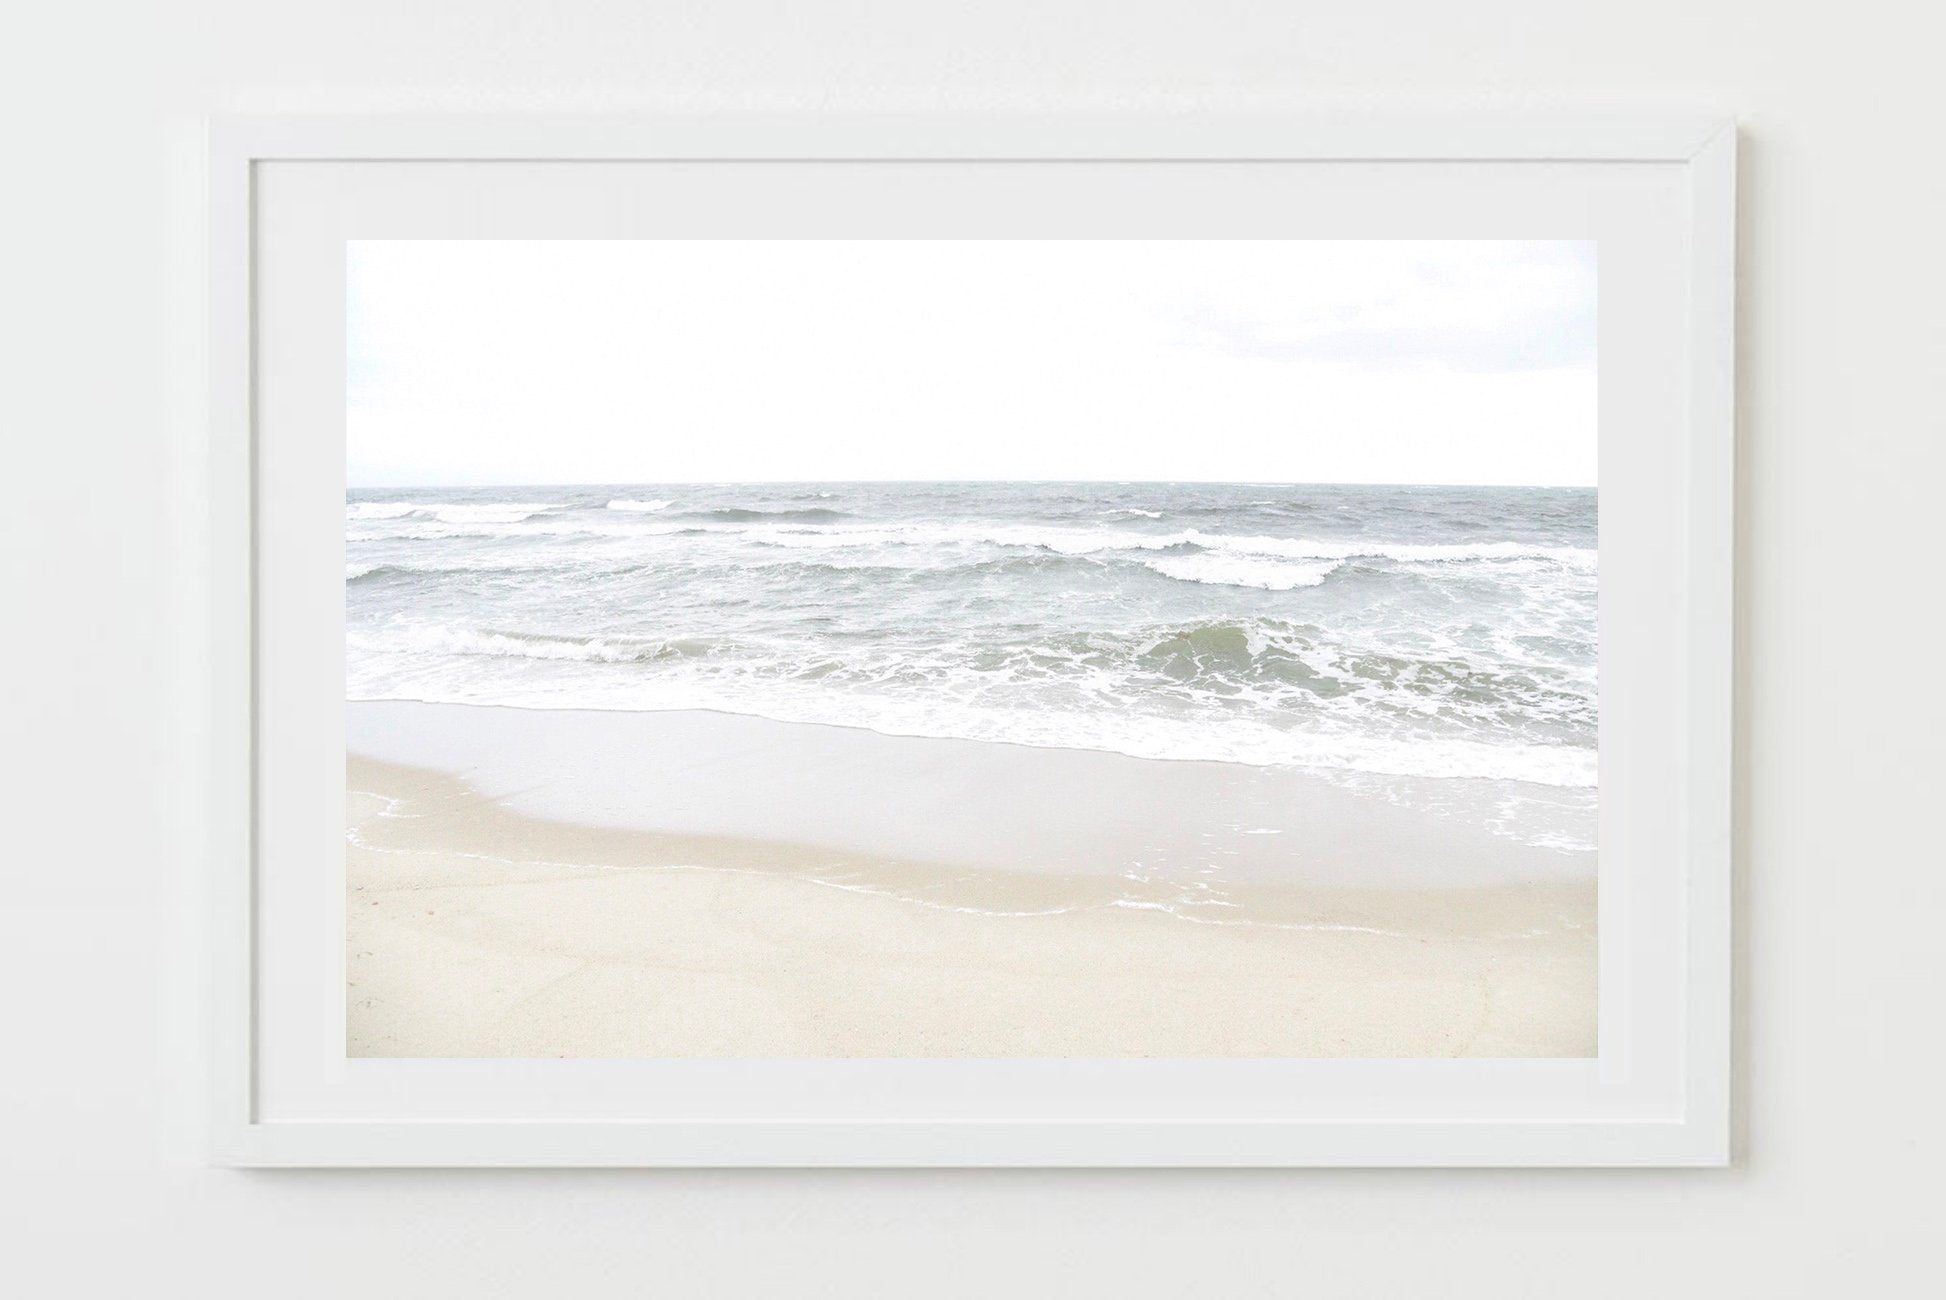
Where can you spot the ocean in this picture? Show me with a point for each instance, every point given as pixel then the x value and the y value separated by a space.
pixel 1436 645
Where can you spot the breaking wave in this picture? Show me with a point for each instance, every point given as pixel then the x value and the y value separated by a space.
pixel 455 513
pixel 523 645
pixel 1242 571
pixel 1436 633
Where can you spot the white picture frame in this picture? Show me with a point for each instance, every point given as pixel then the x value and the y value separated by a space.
pixel 1667 1107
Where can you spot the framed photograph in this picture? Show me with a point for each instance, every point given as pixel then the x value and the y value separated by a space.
pixel 971 641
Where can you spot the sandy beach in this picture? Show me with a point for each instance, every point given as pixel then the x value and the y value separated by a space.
pixel 560 883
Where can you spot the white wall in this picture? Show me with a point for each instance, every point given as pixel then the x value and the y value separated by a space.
pixel 1841 728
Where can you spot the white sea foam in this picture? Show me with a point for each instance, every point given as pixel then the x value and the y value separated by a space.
pixel 495 512
pixel 952 711
pixel 1093 541
pixel 1299 548
pixel 436 640
pixel 1242 571
pixel 416 530
pixel 379 509
pixel 411 522
pixel 529 563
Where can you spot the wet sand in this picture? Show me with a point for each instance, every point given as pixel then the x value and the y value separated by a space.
pixel 532 883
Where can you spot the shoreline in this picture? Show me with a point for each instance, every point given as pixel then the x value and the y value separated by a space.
pixel 480 922
pixel 709 711
pixel 961 802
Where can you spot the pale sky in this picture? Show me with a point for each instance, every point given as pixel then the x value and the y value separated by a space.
pixel 672 361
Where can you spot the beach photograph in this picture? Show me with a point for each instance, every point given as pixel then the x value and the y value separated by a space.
pixel 971 648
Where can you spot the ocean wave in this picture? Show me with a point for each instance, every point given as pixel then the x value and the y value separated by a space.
pixel 1359 633
pixel 1298 548
pixel 1062 540
pixel 1093 541
pixel 1243 741
pixel 915 564
pixel 746 515
pixel 497 512
pixel 438 640
pixel 1257 691
pixel 1210 568
pixel 1242 571
pixel 510 566
pixel 379 509
pixel 812 529
pixel 417 530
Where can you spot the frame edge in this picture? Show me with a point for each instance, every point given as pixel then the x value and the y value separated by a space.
pixel 235 143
